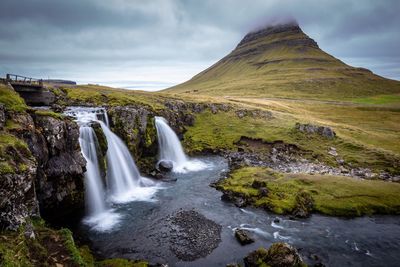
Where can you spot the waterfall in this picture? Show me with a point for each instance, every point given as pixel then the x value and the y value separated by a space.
pixel 123 178
pixel 170 149
pixel 95 196
pixel 126 183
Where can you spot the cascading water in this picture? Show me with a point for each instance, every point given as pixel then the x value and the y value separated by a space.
pixel 95 196
pixel 123 177
pixel 125 181
pixel 170 149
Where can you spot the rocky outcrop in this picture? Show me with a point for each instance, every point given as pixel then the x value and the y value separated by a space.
pixel 278 255
pixel 324 131
pixel 48 175
pixel 61 166
pixel 17 187
pixel 255 113
pixel 135 125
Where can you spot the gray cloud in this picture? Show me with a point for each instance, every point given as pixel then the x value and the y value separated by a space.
pixel 168 41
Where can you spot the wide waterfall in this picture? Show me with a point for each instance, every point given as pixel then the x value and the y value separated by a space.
pixel 170 149
pixel 124 182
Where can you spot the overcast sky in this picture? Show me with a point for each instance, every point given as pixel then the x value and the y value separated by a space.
pixel 158 43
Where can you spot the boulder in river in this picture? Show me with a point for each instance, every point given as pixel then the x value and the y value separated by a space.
pixel 165 166
pixel 279 254
pixel 243 237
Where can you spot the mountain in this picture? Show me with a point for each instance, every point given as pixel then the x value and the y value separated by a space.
pixel 282 61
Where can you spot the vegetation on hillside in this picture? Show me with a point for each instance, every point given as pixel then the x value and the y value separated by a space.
pixel 286 64
pixel 223 131
pixel 11 99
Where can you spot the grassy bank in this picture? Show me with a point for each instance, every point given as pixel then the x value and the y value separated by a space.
pixel 332 195
pixel 222 131
pixel 51 247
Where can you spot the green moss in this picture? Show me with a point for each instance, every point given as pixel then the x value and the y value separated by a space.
pixel 6 168
pixel 11 99
pixel 101 138
pixel 49 113
pixel 121 263
pixel 87 256
pixel 332 195
pixel 71 247
pixel 14 250
pixel 151 132
pixel 8 145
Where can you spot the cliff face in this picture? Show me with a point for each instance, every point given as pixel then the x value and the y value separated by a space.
pixel 59 179
pixel 41 167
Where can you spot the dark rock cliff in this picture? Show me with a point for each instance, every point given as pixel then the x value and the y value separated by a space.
pixel 47 169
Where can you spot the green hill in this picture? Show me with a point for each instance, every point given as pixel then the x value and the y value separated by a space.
pixel 282 61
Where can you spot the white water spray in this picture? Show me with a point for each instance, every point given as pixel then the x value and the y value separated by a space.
pixel 170 149
pixel 124 178
pixel 95 196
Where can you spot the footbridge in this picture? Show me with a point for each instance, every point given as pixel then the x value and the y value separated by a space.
pixel 30 89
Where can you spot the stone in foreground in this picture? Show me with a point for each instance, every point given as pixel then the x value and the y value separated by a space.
pixel 278 255
pixel 243 237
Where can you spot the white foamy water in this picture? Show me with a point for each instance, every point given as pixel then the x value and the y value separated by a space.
pixel 94 188
pixel 124 182
pixel 170 149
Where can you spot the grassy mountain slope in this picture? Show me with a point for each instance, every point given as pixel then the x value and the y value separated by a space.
pixel 282 61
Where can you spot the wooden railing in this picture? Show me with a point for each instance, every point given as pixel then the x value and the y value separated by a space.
pixel 18 79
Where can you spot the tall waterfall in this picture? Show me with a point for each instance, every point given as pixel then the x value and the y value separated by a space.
pixel 95 196
pixel 170 148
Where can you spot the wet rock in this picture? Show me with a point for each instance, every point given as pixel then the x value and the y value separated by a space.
pixel 165 166
pixel 243 237
pixel 279 255
pixel 276 220
pixel 315 129
pixel 304 205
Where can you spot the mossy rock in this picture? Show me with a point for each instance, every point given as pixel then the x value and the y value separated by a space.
pixel 278 255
